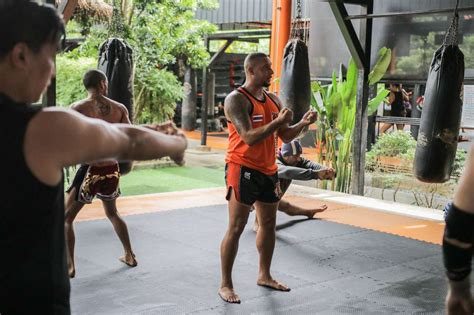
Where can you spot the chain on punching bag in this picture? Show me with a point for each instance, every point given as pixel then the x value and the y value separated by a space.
pixel 116 61
pixel 295 79
pixel 441 115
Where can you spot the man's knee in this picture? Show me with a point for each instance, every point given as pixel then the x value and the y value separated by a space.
pixel 237 227
pixel 283 205
pixel 71 211
pixel 267 223
pixel 111 213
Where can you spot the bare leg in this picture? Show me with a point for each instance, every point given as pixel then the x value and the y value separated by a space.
pixel 72 209
pixel 266 213
pixel 238 216
pixel 293 210
pixel 385 127
pixel 120 227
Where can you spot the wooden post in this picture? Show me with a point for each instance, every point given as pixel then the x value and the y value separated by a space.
pixel 415 113
pixel 66 8
pixel 361 124
pixel 188 108
pixel 281 25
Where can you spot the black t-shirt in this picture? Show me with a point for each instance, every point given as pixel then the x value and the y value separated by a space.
pixel 398 108
pixel 33 269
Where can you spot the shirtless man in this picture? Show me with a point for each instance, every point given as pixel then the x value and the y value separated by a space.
pixel 255 119
pixel 98 179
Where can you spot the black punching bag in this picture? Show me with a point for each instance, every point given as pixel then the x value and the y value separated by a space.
pixel 116 61
pixel 295 81
pixel 441 115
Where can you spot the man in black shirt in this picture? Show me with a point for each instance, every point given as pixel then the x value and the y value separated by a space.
pixel 37 143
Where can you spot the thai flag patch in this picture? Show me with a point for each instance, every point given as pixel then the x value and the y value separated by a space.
pixel 257 118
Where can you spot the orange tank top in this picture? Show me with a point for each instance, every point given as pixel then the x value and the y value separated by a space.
pixel 260 156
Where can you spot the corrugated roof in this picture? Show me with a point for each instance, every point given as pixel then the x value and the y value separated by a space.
pixel 243 11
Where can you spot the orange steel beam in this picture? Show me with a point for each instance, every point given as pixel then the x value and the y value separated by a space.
pixel 281 25
pixel 66 8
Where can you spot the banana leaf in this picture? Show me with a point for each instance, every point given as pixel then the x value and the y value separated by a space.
pixel 381 66
pixel 351 82
pixel 375 102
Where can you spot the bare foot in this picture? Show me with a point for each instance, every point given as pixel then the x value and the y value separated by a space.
pixel 228 295
pixel 273 284
pixel 312 213
pixel 129 260
pixel 71 270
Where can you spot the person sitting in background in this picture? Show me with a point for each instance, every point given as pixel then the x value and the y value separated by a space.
pixel 292 166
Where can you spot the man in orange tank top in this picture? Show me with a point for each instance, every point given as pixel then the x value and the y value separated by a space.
pixel 255 119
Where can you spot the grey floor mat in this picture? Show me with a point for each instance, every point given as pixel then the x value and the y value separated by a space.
pixel 332 268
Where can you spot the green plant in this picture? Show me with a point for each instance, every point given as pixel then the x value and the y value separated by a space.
pixel 459 162
pixel 336 110
pixel 398 143
pixel 69 76
pixel 162 33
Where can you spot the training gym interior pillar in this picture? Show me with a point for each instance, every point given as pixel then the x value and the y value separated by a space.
pixel 281 25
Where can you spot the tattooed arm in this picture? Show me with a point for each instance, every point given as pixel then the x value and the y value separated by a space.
pixel 237 111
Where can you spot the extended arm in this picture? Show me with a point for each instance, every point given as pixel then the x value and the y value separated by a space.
pixel 58 138
pixel 292 172
pixel 305 170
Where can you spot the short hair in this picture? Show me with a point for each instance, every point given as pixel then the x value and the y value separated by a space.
pixel 252 58
pixel 93 78
pixel 26 21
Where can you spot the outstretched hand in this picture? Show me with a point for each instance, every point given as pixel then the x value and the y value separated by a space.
pixel 285 116
pixel 309 117
pixel 326 174
pixel 169 128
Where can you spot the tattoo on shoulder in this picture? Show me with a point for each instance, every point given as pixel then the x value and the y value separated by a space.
pixel 237 111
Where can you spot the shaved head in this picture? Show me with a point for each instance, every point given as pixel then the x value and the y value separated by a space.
pixel 252 59
pixel 258 69
pixel 93 78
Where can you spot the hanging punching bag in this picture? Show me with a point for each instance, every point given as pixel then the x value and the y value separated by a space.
pixel 116 61
pixel 295 80
pixel 441 115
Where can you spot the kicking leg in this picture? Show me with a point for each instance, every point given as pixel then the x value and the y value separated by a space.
pixel 292 210
pixel 120 227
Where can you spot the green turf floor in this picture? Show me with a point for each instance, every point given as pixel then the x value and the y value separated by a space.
pixel 149 181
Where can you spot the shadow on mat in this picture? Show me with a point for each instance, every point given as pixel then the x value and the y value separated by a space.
pixel 291 223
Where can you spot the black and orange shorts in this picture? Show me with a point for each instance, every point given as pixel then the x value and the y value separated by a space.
pixel 250 185
pixel 96 181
